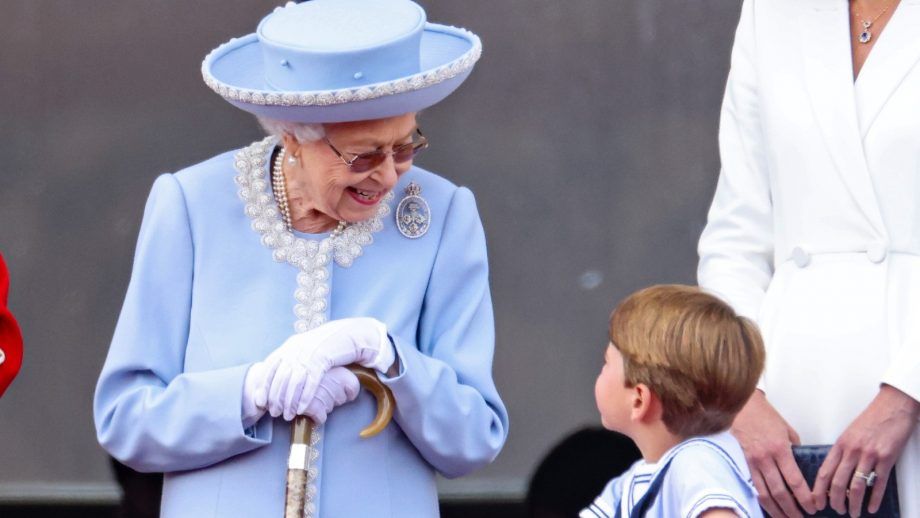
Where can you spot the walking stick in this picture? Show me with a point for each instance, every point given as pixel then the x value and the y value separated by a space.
pixel 302 429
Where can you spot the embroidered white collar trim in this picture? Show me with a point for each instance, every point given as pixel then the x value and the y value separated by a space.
pixel 252 168
pixel 311 256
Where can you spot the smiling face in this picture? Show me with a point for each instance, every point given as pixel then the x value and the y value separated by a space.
pixel 321 188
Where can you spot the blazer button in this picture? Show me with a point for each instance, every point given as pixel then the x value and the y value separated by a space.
pixel 877 252
pixel 800 257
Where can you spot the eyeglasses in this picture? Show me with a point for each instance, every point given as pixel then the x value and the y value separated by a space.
pixel 364 162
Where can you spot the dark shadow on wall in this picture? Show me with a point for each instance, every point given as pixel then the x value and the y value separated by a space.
pixel 575 471
pixel 141 492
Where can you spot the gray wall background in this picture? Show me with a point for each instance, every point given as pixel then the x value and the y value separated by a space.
pixel 588 133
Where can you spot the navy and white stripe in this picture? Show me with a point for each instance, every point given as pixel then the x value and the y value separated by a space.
pixel 697 475
pixel 717 501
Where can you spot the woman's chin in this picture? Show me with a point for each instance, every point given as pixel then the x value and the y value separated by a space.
pixel 355 214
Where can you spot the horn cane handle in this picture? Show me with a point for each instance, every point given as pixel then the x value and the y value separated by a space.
pixel 302 429
pixel 385 403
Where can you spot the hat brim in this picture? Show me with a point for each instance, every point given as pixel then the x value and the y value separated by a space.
pixel 447 56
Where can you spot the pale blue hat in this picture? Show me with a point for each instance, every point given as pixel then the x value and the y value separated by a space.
pixel 342 60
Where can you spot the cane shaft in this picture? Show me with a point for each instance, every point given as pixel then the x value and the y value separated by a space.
pixel 295 497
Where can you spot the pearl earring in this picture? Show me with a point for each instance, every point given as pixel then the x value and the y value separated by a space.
pixel 292 159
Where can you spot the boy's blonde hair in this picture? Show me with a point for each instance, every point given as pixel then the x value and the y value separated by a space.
pixel 693 351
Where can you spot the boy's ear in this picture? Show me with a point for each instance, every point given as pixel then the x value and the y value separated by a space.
pixel 645 404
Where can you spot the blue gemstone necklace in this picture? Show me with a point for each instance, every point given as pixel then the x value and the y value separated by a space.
pixel 866 35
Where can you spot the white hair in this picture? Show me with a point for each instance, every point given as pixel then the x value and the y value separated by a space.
pixel 303 132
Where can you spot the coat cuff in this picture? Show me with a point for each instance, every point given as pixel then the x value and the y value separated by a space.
pixel 226 381
pixel 230 381
pixel 904 370
pixel 398 357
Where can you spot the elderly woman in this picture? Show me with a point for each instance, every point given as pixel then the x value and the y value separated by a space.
pixel 814 232
pixel 260 273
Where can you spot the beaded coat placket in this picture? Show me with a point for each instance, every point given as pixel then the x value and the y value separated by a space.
pixel 313 258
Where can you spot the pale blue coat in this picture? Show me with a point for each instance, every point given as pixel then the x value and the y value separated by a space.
pixel 206 300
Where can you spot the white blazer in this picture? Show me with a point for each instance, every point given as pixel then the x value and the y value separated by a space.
pixel 814 230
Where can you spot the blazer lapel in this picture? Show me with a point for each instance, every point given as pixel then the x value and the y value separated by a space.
pixel 895 54
pixel 828 73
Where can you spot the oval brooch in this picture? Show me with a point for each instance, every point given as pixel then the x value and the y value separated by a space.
pixel 413 217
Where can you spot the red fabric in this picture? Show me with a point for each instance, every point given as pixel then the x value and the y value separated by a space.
pixel 10 335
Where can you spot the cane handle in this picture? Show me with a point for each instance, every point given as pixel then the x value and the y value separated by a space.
pixel 385 403
pixel 302 427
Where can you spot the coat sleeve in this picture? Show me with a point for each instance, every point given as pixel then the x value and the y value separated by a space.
pixel 903 372
pixel 149 413
pixel 736 247
pixel 446 400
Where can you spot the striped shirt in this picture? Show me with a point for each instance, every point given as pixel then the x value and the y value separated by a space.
pixel 699 474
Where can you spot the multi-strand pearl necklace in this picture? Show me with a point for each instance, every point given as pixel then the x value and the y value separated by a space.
pixel 279 189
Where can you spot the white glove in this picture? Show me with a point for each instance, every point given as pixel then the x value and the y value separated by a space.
pixel 255 378
pixel 297 366
pixel 338 386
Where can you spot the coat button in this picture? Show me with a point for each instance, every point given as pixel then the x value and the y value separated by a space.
pixel 2 357
pixel 800 257
pixel 877 252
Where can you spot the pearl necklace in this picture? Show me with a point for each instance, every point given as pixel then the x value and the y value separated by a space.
pixel 279 189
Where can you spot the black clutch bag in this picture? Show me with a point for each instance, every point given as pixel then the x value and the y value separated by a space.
pixel 810 458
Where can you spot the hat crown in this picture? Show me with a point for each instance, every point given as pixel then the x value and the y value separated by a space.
pixel 342 60
pixel 324 44
pixel 341 25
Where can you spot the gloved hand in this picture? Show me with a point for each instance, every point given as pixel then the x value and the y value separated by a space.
pixel 255 378
pixel 295 369
pixel 337 387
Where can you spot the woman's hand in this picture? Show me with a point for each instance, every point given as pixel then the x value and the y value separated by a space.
pixel 872 442
pixel 767 440
pixel 337 387
pixel 295 369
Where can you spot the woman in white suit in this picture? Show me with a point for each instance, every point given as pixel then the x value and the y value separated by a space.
pixel 814 231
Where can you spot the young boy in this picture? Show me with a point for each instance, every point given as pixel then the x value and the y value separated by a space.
pixel 679 367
